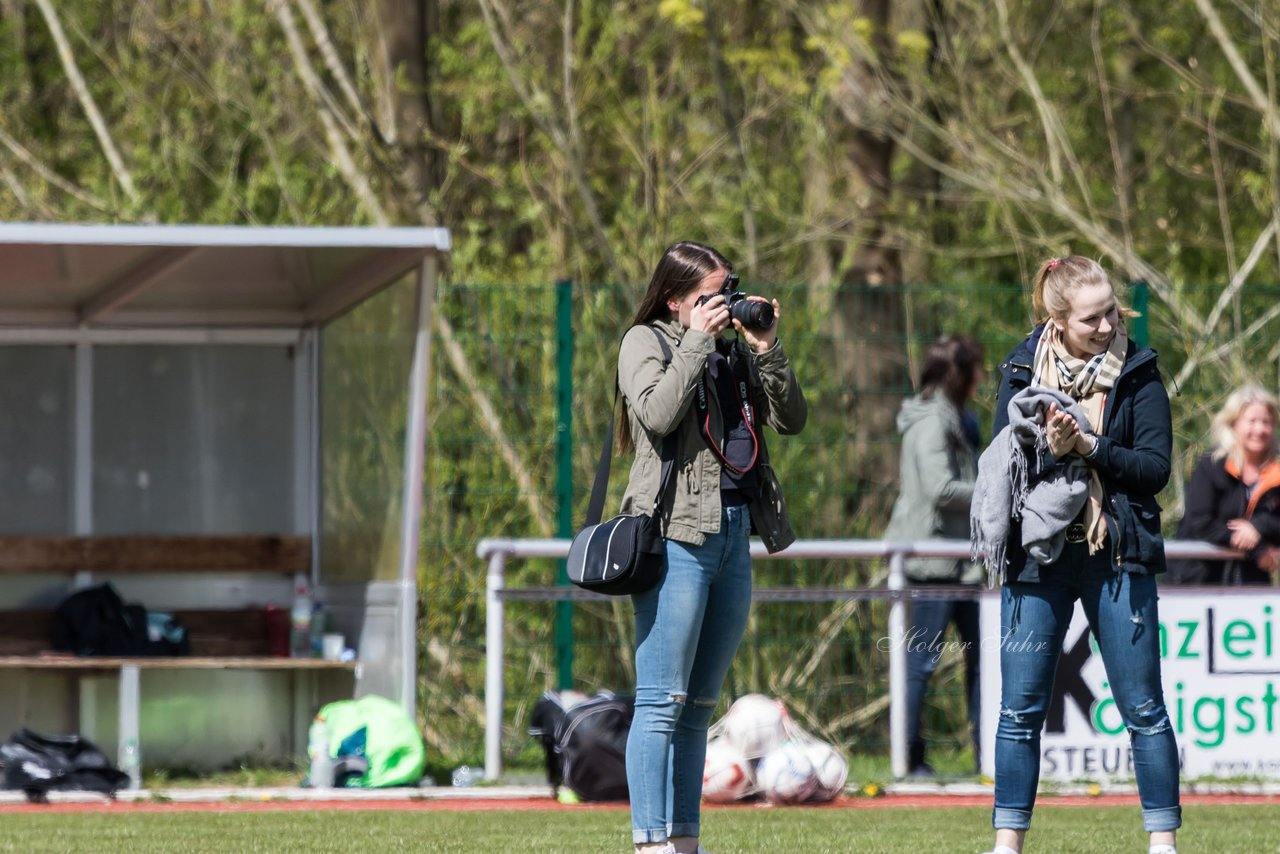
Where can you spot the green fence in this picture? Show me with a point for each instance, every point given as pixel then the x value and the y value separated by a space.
pixel 499 458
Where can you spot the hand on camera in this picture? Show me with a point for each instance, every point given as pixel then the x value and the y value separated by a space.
pixel 760 340
pixel 710 317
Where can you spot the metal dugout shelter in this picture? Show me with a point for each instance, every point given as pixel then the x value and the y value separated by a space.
pixel 168 381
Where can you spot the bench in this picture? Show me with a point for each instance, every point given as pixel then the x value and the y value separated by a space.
pixel 221 639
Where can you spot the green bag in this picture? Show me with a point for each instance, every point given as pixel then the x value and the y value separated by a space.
pixel 379 732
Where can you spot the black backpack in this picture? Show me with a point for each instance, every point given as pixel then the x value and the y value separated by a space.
pixel 96 621
pixel 585 745
pixel 37 764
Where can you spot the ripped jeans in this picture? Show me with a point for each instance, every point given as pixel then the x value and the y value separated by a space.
pixel 687 631
pixel 1122 614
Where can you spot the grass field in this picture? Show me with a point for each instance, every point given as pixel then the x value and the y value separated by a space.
pixel 1061 830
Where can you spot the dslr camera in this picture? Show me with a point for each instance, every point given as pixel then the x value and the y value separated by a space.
pixel 750 313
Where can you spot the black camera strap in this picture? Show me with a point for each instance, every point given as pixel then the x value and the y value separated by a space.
pixel 741 389
pixel 595 506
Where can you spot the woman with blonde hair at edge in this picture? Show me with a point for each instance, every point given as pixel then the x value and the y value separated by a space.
pixel 1233 496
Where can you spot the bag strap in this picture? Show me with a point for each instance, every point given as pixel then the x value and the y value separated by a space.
pixel 595 507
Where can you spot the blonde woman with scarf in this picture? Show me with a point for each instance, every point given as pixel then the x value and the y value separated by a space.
pixel 1113 549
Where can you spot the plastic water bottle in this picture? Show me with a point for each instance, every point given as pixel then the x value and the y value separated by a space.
pixel 321 770
pixel 131 763
pixel 300 637
pixel 319 625
pixel 463 777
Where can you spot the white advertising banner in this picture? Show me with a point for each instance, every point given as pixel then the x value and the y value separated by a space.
pixel 1220 661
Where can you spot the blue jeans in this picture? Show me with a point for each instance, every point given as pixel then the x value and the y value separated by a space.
pixel 1122 614
pixel 925 644
pixel 687 631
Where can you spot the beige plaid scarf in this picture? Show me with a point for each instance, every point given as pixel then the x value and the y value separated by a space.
pixel 1087 381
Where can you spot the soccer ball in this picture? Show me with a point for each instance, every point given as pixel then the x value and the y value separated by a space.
pixel 755 725
pixel 786 774
pixel 829 770
pixel 726 776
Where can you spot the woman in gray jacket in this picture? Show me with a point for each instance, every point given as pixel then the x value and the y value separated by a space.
pixel 939 465
pixel 715 396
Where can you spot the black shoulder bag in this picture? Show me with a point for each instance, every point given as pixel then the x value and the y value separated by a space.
pixel 625 554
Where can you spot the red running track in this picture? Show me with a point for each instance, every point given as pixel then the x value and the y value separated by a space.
pixel 547 804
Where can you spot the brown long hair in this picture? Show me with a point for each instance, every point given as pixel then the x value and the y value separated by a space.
pixel 679 271
pixel 949 366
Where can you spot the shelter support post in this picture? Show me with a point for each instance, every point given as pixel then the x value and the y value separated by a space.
pixel 898 667
pixel 494 665
pixel 130 700
pixel 414 457
pixel 85 695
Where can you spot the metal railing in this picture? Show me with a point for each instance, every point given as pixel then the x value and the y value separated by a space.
pixel 498 551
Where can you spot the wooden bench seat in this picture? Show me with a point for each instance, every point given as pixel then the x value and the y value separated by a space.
pixel 129 554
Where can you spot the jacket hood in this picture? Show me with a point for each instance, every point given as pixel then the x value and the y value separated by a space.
pixel 916 409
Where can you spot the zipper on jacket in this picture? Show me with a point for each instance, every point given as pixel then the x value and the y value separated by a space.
pixel 1115 517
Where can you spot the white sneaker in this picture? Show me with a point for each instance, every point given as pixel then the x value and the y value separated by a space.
pixel 1162 849
pixel 1005 849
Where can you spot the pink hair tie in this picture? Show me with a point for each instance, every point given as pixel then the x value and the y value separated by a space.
pixel 1052 265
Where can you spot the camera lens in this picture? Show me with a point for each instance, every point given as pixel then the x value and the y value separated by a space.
pixel 752 314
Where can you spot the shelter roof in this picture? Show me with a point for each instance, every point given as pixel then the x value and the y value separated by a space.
pixel 157 276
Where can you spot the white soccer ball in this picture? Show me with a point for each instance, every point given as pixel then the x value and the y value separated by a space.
pixel 786 774
pixel 726 774
pixel 755 725
pixel 830 770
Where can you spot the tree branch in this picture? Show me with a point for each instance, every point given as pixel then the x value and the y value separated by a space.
pixel 1118 162
pixel 1220 184
pixel 354 176
pixel 360 183
pixel 329 53
pixel 1055 136
pixel 1225 298
pixel 1239 66
pixel 86 99
pixel 731 125
pixel 492 424
pixel 536 101
pixel 48 174
pixel 19 191
pixel 319 91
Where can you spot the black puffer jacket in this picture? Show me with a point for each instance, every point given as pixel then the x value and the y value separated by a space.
pixel 1134 447
pixel 1215 497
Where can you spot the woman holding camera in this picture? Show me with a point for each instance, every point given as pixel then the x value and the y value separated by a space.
pixel 715 395
pixel 1094 414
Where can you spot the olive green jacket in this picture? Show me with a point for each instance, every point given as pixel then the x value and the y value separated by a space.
pixel 660 400
pixel 938 469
